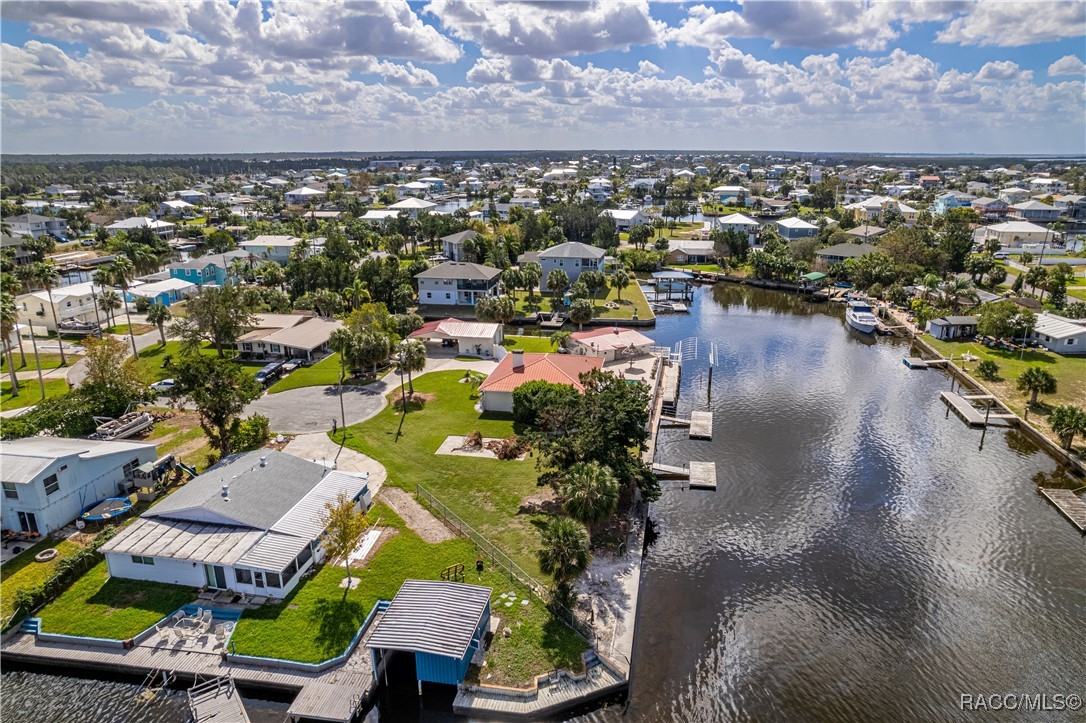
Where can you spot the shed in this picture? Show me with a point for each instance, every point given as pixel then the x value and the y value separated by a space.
pixel 952 327
pixel 441 623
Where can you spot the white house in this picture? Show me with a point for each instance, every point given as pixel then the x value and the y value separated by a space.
pixel 572 257
pixel 303 195
pixel 1060 334
pixel 741 223
pixel 794 228
pixel 457 283
pixel 250 524
pixel 163 228
pixel 413 206
pixel 1015 233
pixel 1035 211
pixel 732 195
pixel 874 208
pixel 272 248
pixel 519 368
pixel 176 208
pixel 31 224
pixel 472 338
pixel 611 343
pixel 453 245
pixel 301 335
pixel 77 302
pixel 1014 194
pixel 48 481
pixel 625 219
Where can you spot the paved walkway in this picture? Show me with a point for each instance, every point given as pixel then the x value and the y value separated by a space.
pixel 318 447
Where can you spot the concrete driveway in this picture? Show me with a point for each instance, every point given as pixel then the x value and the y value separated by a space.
pixel 319 448
pixel 312 409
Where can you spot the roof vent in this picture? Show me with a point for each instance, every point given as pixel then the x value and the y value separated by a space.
pixel 263 461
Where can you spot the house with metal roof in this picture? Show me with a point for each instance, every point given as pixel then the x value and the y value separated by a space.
pixel 471 338
pixel 457 283
pixel 496 392
pixel 47 481
pixel 793 228
pixel 251 523
pixel 272 247
pixel 572 257
pixel 299 335
pixel 952 327
pixel 1060 334
pixel 442 624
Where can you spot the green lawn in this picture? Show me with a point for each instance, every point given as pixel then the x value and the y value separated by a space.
pixel 153 357
pixel 633 299
pixel 486 493
pixel 531 344
pixel 100 607
pixel 30 392
pixel 322 374
pixel 48 361
pixel 137 329
pixel 697 267
pixel 319 618
pixel 25 572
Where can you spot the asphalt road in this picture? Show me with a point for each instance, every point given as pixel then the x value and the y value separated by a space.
pixel 312 409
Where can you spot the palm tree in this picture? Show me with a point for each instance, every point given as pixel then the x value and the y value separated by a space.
pixel 1036 276
pixel 109 302
pixel 45 274
pixel 558 338
pixel 1067 421
pixel 530 274
pixel 9 319
pixel 344 342
pixel 565 554
pixel 159 315
pixel 142 257
pixel 957 288
pixel 581 312
pixel 356 294
pixel 412 358
pixel 591 492
pixel 123 272
pixel 7 290
pixel 930 284
pixel 619 281
pixel 557 282
pixel 511 280
pixel 1036 380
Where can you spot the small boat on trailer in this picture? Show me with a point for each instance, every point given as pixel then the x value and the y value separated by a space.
pixel 127 425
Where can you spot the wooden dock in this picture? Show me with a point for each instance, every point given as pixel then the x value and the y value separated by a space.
pixel 216 701
pixel 669 394
pixel 327 701
pixel 545 701
pixel 701 475
pixel 1070 504
pixel 700 424
pixel 914 362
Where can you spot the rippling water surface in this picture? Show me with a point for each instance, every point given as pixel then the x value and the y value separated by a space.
pixel 862 558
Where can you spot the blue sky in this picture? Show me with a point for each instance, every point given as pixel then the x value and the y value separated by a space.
pixel 250 76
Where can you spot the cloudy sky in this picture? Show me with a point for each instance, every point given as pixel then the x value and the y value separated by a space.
pixel 247 76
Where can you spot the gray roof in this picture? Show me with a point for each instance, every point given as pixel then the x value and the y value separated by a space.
pixel 572 250
pixel 847 250
pixel 459 238
pixel 258 497
pixel 459 270
pixel 427 616
pixel 959 320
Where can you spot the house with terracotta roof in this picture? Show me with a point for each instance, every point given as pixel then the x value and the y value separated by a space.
pixel 611 343
pixel 519 368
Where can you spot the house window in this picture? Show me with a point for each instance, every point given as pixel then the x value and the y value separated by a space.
pixel 143 560
pixel 130 468
pixel 244 577
pixel 304 556
pixel 247 346
pixel 275 348
pixel 273 579
pixel 1070 342
pixel 429 295
pixel 448 295
pixel 51 484
pixel 11 492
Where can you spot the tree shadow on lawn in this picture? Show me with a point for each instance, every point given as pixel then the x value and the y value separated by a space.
pixel 1030 357
pixel 337 622
pixel 152 597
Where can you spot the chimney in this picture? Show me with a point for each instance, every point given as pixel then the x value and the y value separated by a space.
pixel 518 359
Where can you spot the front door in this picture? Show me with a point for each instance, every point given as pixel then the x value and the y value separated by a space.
pixel 216 576
pixel 28 522
pixel 258 579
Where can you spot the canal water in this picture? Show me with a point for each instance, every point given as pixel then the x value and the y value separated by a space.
pixel 862 559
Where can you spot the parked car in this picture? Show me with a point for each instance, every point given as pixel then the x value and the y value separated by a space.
pixel 269 373
pixel 164 386
pixel 1001 255
pixel 290 365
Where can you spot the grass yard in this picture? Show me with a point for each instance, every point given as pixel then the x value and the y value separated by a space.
pixel 319 618
pixel 697 267
pixel 530 344
pixel 322 374
pixel 101 607
pixel 487 493
pixel 30 392
pixel 24 572
pixel 48 361
pixel 1070 373
pixel 633 299
pixel 137 329
pixel 153 358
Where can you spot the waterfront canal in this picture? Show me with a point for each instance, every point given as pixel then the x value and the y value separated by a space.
pixel 861 559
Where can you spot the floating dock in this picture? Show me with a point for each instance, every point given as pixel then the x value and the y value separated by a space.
pixel 701 475
pixel 669 394
pixel 1070 504
pixel 218 701
pixel 969 414
pixel 328 701
pixel 914 362
pixel 700 424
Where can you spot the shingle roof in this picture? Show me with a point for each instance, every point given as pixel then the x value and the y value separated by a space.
pixel 572 250
pixel 433 617
pixel 459 238
pixel 554 368
pixel 847 250
pixel 459 270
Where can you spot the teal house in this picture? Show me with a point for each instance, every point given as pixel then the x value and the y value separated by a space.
pixel 210 269
pixel 442 625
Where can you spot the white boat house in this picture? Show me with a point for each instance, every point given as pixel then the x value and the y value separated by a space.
pixel 250 524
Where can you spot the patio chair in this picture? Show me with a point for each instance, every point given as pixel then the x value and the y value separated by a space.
pixel 220 635
pixel 177 617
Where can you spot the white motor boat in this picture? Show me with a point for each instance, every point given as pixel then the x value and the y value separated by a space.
pixel 859 316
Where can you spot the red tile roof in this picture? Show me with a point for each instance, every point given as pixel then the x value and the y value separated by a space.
pixel 554 368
